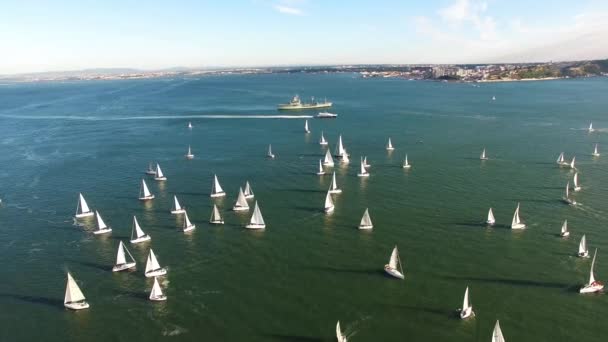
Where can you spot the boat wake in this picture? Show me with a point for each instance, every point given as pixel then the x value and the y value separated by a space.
pixel 149 117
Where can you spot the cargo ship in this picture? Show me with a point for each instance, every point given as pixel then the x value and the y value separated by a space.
pixel 296 103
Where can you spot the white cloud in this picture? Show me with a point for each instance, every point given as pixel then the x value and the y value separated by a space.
pixel 290 7
pixel 288 10
pixel 470 12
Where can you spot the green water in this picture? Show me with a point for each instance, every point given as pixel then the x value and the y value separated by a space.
pixel 307 270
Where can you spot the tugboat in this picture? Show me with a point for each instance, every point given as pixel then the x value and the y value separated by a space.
pixel 296 103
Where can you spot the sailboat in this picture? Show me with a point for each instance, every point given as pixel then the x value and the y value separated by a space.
pixel 593 285
pixel 188 226
pixel 216 218
pixel 241 202
pixel 365 162
pixel 493 98
pixel 572 163
pixel 190 125
pixel 157 293
pixel 340 150
pixel 394 262
pixel 497 334
pixel 144 192
pixel 467 309
pixel 566 197
pixel 583 252
pixel 151 170
pixel 102 228
pixel 137 234
pixel 248 191
pixel 74 299
pixel 257 221
pixel 333 187
pixel 177 209
pixel 389 145
pixel 153 268
pixel 406 164
pixel 270 155
pixel 121 259
pixel 561 161
pixel 345 159
pixel 328 160
pixel 321 172
pixel 82 209
pixel 159 176
pixel 339 335
pixel 591 127
pixel 564 232
pixel 483 155
pixel 516 222
pixel 189 155
pixel 362 171
pixel 575 181
pixel 366 221
pixel 216 188
pixel 329 203
pixel 306 127
pixel 322 141
pixel 595 153
pixel 491 220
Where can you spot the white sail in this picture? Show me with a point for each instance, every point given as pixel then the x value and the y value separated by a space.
pixel 591 127
pixel 362 170
pixel 306 127
pixel 120 255
pixel 345 158
pixel 176 205
pixel 516 222
pixel 144 189
pixel 156 292
pixel 333 188
pixel 389 145
pixel 366 221
pixel 159 172
pixel 339 335
pixel 595 151
pixel 328 161
pixel 340 151
pixel 100 224
pixel 567 193
pixel 565 227
pixel 269 154
pixel 187 222
pixel 591 275
pixel 465 301
pixel 322 141
pixel 241 201
pixel 321 171
pixel 394 261
pixel 582 246
pixel 189 124
pixel 365 162
pixel 572 163
pixel 84 208
pixel 491 218
pixel 483 155
pixel 248 191
pixel 215 215
pixel 256 218
pixel 216 188
pixel 575 180
pixel 72 291
pixel 329 202
pixel 406 163
pixel 497 334
pixel 560 159
pixel 137 232
pixel 152 263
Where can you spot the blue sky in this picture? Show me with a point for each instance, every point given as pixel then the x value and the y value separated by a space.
pixel 70 35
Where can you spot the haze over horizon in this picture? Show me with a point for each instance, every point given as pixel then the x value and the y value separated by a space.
pixel 72 35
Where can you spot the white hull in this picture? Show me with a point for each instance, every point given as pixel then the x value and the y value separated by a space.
pixel 366 227
pixel 103 231
pixel 362 174
pixel 583 255
pixel 150 172
pixel 491 222
pixel 156 273
pixel 249 196
pixel 141 239
pixel 577 188
pixel 219 194
pixel 255 226
pixel 328 164
pixel 189 156
pixel 87 214
pixel 160 298
pixel 146 198
pixel 177 212
pixel 77 305
pixel 320 173
pixel 270 156
pixel 518 226
pixel 390 148
pixel 592 288
pixel 393 272
pixel 217 222
pixel 336 191
pixel 240 208
pixel 160 178
pixel 468 312
pixel 189 228
pixel 329 210
pixel 483 158
pixel 569 201
pixel 323 143
pixel 595 154
pixel 407 166
pixel 123 267
pixel 565 234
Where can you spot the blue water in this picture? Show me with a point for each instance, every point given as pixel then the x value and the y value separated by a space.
pixel 307 270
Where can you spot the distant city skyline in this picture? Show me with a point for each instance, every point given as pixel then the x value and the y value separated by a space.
pixel 73 35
